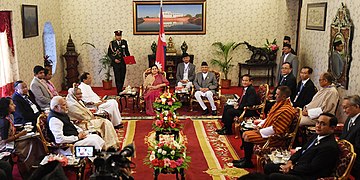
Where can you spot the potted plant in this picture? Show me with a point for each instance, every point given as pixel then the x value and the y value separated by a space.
pixel 224 52
pixel 105 63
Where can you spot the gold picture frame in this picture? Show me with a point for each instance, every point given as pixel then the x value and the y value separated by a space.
pixel 316 16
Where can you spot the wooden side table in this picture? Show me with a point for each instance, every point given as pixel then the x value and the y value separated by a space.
pixel 269 68
pixel 133 96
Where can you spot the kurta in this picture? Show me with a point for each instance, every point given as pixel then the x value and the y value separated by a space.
pixel 78 111
pixel 110 106
pixel 327 99
pixel 280 117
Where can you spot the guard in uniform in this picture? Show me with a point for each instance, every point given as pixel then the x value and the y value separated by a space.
pixel 117 50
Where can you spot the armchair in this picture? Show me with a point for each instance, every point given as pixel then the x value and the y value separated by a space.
pixel 142 88
pixel 217 95
pixel 41 127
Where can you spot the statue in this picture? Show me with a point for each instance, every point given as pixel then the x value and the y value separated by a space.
pixel 153 47
pixel 259 56
pixel 170 47
pixel 184 47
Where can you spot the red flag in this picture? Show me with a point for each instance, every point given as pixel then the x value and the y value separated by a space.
pixel 160 51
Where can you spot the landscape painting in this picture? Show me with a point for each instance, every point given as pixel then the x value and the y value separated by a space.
pixel 178 17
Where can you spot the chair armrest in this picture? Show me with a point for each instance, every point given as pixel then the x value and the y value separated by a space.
pixel 141 89
pixel 219 93
pixel 192 90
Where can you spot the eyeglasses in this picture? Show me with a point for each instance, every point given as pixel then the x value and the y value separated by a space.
pixel 285 68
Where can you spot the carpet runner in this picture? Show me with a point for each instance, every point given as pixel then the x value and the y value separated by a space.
pixel 210 153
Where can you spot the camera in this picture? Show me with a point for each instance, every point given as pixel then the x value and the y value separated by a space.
pixel 110 166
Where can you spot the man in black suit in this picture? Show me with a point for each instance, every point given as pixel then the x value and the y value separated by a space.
pixel 26 109
pixel 287 79
pixel 316 159
pixel 351 130
pixel 248 98
pixel 306 89
pixel 117 50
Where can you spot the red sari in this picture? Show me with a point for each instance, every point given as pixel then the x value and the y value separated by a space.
pixel 151 95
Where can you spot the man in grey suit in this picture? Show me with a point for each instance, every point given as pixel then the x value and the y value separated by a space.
pixel 337 62
pixel 290 58
pixel 39 89
pixel 351 130
pixel 185 73
pixel 205 84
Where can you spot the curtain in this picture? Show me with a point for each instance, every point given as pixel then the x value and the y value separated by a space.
pixel 6 55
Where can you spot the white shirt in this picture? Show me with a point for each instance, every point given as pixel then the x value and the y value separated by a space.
pixel 186 71
pixel 204 75
pixel 285 56
pixel 88 95
pixel 56 127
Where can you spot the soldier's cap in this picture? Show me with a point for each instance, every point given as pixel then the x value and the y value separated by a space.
pixel 118 33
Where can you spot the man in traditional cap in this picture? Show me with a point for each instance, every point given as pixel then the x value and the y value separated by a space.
pixel 205 84
pixel 117 50
pixel 290 58
pixel 39 89
pixel 337 62
pixel 287 40
pixel 185 73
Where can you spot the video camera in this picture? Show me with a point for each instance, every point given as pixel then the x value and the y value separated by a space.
pixel 110 166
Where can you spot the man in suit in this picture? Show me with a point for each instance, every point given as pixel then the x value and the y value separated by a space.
pixel 290 58
pixel 185 73
pixel 316 159
pixel 26 110
pixel 248 98
pixel 287 40
pixel 337 62
pixel 306 89
pixel 278 120
pixel 287 79
pixel 205 84
pixel 325 100
pixel 117 50
pixel 39 89
pixel 351 130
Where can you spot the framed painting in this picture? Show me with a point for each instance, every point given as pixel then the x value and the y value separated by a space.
pixel 30 21
pixel 179 17
pixel 316 16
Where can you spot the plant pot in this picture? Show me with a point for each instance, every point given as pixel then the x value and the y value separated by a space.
pixel 107 84
pixel 225 83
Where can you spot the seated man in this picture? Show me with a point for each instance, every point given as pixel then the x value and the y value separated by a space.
pixel 39 88
pixel 278 120
pixel 185 73
pixel 51 87
pixel 205 84
pixel 287 79
pixel 61 130
pixel 91 98
pixel 248 98
pixel 324 100
pixel 306 89
pixel 351 130
pixel 26 110
pixel 316 159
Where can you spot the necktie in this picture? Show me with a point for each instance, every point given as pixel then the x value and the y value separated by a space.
pixel 242 96
pixel 297 95
pixel 282 79
pixel 351 124
pixel 312 143
pixel 26 97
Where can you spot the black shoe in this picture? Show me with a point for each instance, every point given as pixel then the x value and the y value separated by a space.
pixel 214 113
pixel 119 126
pixel 238 161
pixel 244 164
pixel 206 111
pixel 224 132
pixel 222 129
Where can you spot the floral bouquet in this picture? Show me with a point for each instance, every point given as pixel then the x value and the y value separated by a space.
pixel 166 121
pixel 271 47
pixel 167 155
pixel 167 101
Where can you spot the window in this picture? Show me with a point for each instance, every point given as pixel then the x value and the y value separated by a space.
pixel 50 44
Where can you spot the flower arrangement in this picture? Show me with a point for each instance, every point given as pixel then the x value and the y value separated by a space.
pixel 271 47
pixel 167 101
pixel 167 155
pixel 166 121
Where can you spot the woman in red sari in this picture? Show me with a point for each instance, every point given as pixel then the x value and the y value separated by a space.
pixel 153 85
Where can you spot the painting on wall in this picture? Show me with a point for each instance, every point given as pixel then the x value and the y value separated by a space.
pixel 316 16
pixel 179 17
pixel 30 21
